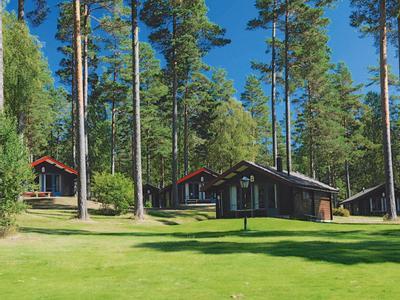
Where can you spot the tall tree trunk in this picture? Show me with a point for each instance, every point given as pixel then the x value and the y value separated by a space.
pixel 273 88
pixel 348 186
pixel 175 199
pixel 390 196
pixel 113 131
pixel 1 62
pixel 186 139
pixel 287 100
pixel 398 37
pixel 311 154
pixel 21 10
pixel 148 163
pixel 21 116
pixel 83 213
pixel 74 101
pixel 162 179
pixel 86 19
pixel 137 142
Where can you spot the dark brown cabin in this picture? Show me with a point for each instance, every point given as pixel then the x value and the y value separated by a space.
pixel 190 189
pixel 151 194
pixel 370 202
pixel 55 178
pixel 271 192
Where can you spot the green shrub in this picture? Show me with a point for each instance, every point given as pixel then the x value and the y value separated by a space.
pixel 114 191
pixel 16 175
pixel 341 212
pixel 148 204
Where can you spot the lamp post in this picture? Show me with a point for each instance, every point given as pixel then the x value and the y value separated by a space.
pixel 244 184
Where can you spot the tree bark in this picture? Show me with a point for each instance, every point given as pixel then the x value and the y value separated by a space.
pixel 86 18
pixel 21 10
pixel 273 88
pixel 1 62
pixel 113 130
pixel 186 140
pixel 287 100
pixel 162 179
pixel 398 38
pixel 148 163
pixel 137 151
pixel 83 213
pixel 348 186
pixel 387 147
pixel 74 101
pixel 311 154
pixel 175 199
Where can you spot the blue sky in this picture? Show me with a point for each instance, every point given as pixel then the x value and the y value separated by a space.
pixel 345 42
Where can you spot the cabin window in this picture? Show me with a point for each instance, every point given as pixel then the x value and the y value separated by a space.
pixel 377 204
pixel 193 191
pixel 256 197
pixel 233 197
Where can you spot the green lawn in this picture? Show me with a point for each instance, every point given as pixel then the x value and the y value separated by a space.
pixel 188 255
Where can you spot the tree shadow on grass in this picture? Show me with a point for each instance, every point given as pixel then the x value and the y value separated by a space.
pixel 340 247
pixel 335 235
pixel 346 253
pixel 171 214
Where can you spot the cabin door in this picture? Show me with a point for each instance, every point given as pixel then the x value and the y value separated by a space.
pixel 51 183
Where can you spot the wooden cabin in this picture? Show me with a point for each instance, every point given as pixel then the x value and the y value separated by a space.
pixel 54 178
pixel 271 192
pixel 190 189
pixel 151 194
pixel 370 202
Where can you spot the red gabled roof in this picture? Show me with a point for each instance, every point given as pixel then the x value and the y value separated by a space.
pixel 197 172
pixel 55 162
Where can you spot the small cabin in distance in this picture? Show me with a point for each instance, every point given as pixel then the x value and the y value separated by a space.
pixel 271 192
pixel 151 194
pixel 190 189
pixel 55 178
pixel 370 202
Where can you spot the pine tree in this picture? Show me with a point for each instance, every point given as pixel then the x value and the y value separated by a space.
pixel 137 148
pixel 372 19
pixel 255 102
pixel 183 33
pixel 268 16
pixel 82 195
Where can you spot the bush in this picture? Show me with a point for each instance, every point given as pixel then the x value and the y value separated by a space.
pixel 341 212
pixel 16 175
pixel 148 204
pixel 113 191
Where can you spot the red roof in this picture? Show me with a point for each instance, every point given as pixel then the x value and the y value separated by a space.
pixel 55 162
pixel 197 172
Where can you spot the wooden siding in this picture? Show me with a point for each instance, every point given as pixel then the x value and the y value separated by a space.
pixel 291 201
pixel 67 179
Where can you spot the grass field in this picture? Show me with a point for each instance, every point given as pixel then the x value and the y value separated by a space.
pixel 188 255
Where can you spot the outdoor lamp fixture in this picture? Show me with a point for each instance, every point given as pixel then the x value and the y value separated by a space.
pixel 43 170
pixel 244 183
